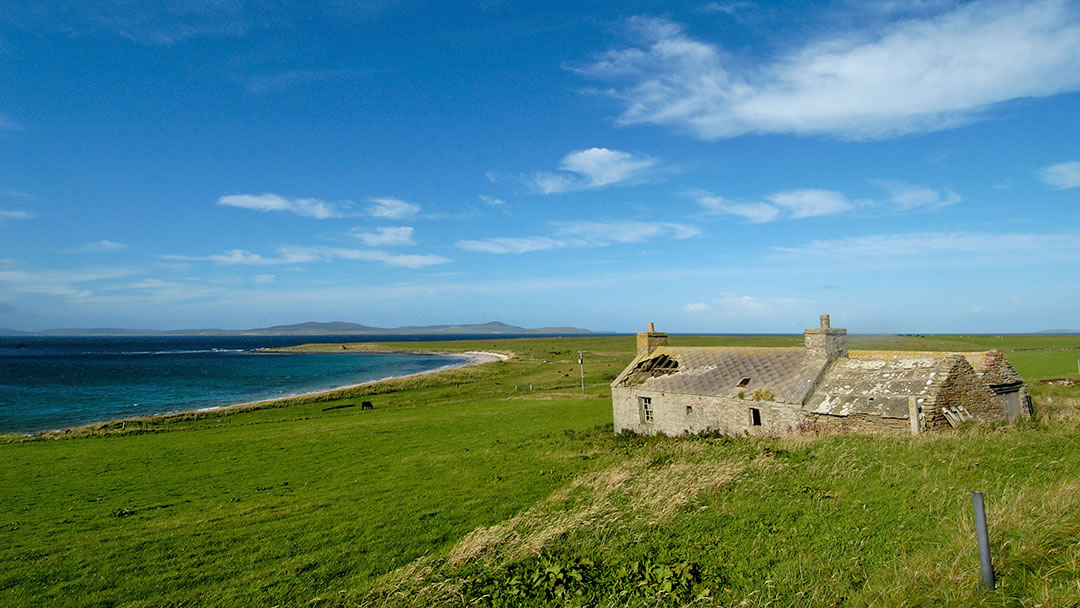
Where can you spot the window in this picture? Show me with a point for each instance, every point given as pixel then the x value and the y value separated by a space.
pixel 744 381
pixel 689 410
pixel 755 417
pixel 645 407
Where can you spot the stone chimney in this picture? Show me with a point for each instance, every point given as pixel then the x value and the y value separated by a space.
pixel 648 341
pixel 824 341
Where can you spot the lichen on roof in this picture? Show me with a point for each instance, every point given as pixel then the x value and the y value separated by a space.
pixel 789 374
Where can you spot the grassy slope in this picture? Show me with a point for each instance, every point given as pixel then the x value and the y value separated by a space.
pixel 468 487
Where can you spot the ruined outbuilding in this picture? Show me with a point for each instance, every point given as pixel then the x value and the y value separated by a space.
pixel 819 387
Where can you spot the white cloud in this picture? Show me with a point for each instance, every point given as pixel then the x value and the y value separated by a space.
pixel 602 166
pixel 755 213
pixel 788 204
pixel 307 207
pixel 602 233
pixel 593 168
pixel 694 307
pixel 583 234
pixel 512 244
pixel 937 245
pixel 915 75
pixel 265 278
pixel 305 255
pixel 491 200
pixel 729 8
pixel 406 261
pixel 58 282
pixel 1062 175
pixel 810 203
pixel 911 196
pixel 101 246
pixel 14 215
pixel 383 236
pixel 391 208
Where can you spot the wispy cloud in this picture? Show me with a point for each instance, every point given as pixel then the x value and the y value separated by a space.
pixel 14 215
pixel 960 247
pixel 512 244
pixel 491 200
pixel 146 23
pixel 307 207
pixel 282 80
pixel 593 168
pixel 583 234
pixel 6 124
pixel 58 282
pixel 384 237
pixel 695 307
pixel 603 233
pixel 912 76
pixel 101 246
pixel 810 203
pixel 788 204
pixel 392 208
pixel 911 196
pixel 306 255
pixel 728 8
pixel 1062 176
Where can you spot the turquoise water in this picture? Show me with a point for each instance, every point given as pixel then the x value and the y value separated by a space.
pixel 53 383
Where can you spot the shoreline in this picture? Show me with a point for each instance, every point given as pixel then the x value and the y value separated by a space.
pixel 471 358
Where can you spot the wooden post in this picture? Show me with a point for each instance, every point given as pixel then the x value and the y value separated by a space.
pixel 913 413
pixel 984 541
pixel 581 362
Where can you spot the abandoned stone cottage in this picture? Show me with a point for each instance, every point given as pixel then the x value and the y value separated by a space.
pixel 819 387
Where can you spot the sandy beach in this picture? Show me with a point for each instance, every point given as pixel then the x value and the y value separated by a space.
pixel 471 358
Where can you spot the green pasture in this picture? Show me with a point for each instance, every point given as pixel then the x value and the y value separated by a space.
pixel 502 485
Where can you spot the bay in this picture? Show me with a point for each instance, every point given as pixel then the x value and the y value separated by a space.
pixel 49 383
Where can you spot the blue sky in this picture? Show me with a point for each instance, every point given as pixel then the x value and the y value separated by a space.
pixel 907 166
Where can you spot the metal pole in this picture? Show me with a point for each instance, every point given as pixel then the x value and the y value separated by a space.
pixel 581 362
pixel 984 541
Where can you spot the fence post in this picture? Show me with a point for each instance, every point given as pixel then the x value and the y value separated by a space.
pixel 984 541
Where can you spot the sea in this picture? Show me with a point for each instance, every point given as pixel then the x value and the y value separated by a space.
pixel 52 383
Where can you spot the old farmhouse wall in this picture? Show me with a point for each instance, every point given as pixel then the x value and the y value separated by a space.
pixel 819 388
pixel 675 414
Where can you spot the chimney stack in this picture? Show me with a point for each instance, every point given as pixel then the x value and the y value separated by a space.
pixel 648 341
pixel 825 341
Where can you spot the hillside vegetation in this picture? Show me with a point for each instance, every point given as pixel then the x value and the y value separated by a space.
pixel 503 485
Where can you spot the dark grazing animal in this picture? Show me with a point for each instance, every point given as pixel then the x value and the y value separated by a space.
pixel 366 405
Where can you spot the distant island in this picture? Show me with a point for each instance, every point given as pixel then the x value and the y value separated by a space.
pixel 312 328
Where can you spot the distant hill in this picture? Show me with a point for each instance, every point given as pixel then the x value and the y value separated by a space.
pixel 343 328
pixel 1060 332
pixel 312 328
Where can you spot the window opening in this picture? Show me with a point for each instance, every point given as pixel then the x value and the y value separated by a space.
pixel 755 417
pixel 689 410
pixel 646 409
pixel 744 381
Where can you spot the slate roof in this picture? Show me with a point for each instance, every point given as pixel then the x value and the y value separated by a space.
pixel 991 366
pixel 789 374
pixel 878 386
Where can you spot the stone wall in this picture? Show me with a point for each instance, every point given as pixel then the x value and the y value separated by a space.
pixel 961 387
pixel 650 341
pixel 676 414
pixel 856 423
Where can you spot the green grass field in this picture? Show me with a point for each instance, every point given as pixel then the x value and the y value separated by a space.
pixel 502 485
